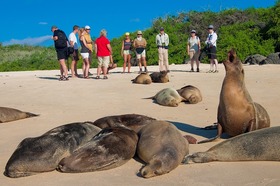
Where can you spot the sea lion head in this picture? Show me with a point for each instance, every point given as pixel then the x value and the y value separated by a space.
pixel 233 64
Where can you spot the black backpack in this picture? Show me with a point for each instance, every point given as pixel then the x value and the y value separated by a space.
pixel 61 42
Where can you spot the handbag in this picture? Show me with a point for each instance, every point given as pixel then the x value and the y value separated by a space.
pixel 70 50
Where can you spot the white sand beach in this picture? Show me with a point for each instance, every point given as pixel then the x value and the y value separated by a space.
pixel 80 99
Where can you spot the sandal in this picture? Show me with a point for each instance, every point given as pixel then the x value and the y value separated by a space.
pixel 209 71
pixel 97 77
pixel 215 71
pixel 105 77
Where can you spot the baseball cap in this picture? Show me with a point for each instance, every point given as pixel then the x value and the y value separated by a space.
pixel 139 32
pixel 210 27
pixel 127 34
pixel 87 27
pixel 193 31
pixel 161 29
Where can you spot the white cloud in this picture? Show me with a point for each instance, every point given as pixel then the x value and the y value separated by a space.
pixel 43 23
pixel 28 41
pixel 135 20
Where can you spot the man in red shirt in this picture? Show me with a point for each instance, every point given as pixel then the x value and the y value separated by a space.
pixel 103 51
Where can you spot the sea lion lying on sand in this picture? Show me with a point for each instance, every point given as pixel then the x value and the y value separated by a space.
pixel 237 113
pixel 43 153
pixel 168 97
pixel 110 148
pixel 11 114
pixel 191 94
pixel 160 77
pixel 259 145
pixel 162 147
pixel 142 78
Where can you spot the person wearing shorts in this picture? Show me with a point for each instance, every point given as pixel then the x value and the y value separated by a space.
pixel 140 44
pixel 211 43
pixel 62 52
pixel 103 51
pixel 193 50
pixel 75 56
pixel 85 50
pixel 126 52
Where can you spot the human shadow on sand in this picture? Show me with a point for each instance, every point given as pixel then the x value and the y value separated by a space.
pixel 197 130
pixel 49 78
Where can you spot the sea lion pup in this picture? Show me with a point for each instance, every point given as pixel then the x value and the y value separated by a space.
pixel 43 153
pixel 160 77
pixel 237 113
pixel 11 114
pixel 110 148
pixel 168 97
pixel 162 147
pixel 142 78
pixel 191 94
pixel 259 145
pixel 133 121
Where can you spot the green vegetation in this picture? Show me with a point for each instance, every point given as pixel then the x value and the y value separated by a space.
pixel 250 31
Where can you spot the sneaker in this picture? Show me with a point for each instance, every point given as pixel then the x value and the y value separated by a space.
pixel 191 70
pixel 97 77
pixel 146 70
pixel 140 71
pixel 105 77
pixel 197 70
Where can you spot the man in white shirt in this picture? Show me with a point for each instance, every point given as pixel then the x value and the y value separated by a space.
pixel 162 41
pixel 75 56
pixel 211 43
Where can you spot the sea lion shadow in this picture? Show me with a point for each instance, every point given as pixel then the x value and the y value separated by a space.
pixel 194 130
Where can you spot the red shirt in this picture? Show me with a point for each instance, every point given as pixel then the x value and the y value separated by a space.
pixel 102 49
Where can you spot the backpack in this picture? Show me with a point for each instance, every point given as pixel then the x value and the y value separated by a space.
pixel 61 42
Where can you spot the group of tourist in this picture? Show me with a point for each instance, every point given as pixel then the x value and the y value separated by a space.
pixel 103 51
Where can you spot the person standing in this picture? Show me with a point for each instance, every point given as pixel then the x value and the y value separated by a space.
pixel 89 42
pixel 140 44
pixel 193 49
pixel 103 51
pixel 75 56
pixel 162 41
pixel 85 50
pixel 211 43
pixel 61 46
pixel 126 52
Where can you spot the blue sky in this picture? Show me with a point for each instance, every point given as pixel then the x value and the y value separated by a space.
pixel 29 21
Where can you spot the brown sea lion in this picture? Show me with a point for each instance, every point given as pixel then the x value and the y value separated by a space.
pixel 43 153
pixel 162 147
pixel 160 77
pixel 142 78
pixel 133 121
pixel 259 145
pixel 11 114
pixel 237 113
pixel 168 97
pixel 110 148
pixel 191 94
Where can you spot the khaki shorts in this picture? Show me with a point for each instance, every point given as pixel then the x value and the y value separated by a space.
pixel 127 52
pixel 194 55
pixel 103 61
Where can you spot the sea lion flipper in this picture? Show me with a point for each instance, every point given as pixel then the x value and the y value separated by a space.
pixel 219 133
pixel 29 114
pixel 210 127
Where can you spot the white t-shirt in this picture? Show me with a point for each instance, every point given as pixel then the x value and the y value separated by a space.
pixel 72 37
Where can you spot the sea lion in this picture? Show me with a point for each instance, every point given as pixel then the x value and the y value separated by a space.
pixel 162 147
pixel 168 97
pixel 110 148
pixel 160 77
pixel 142 78
pixel 133 121
pixel 259 145
pixel 191 94
pixel 237 113
pixel 43 153
pixel 11 114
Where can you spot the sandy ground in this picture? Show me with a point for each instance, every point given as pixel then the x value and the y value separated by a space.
pixel 80 99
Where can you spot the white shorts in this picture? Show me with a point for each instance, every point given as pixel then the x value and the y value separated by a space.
pixel 103 61
pixel 127 52
pixel 85 55
pixel 143 54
